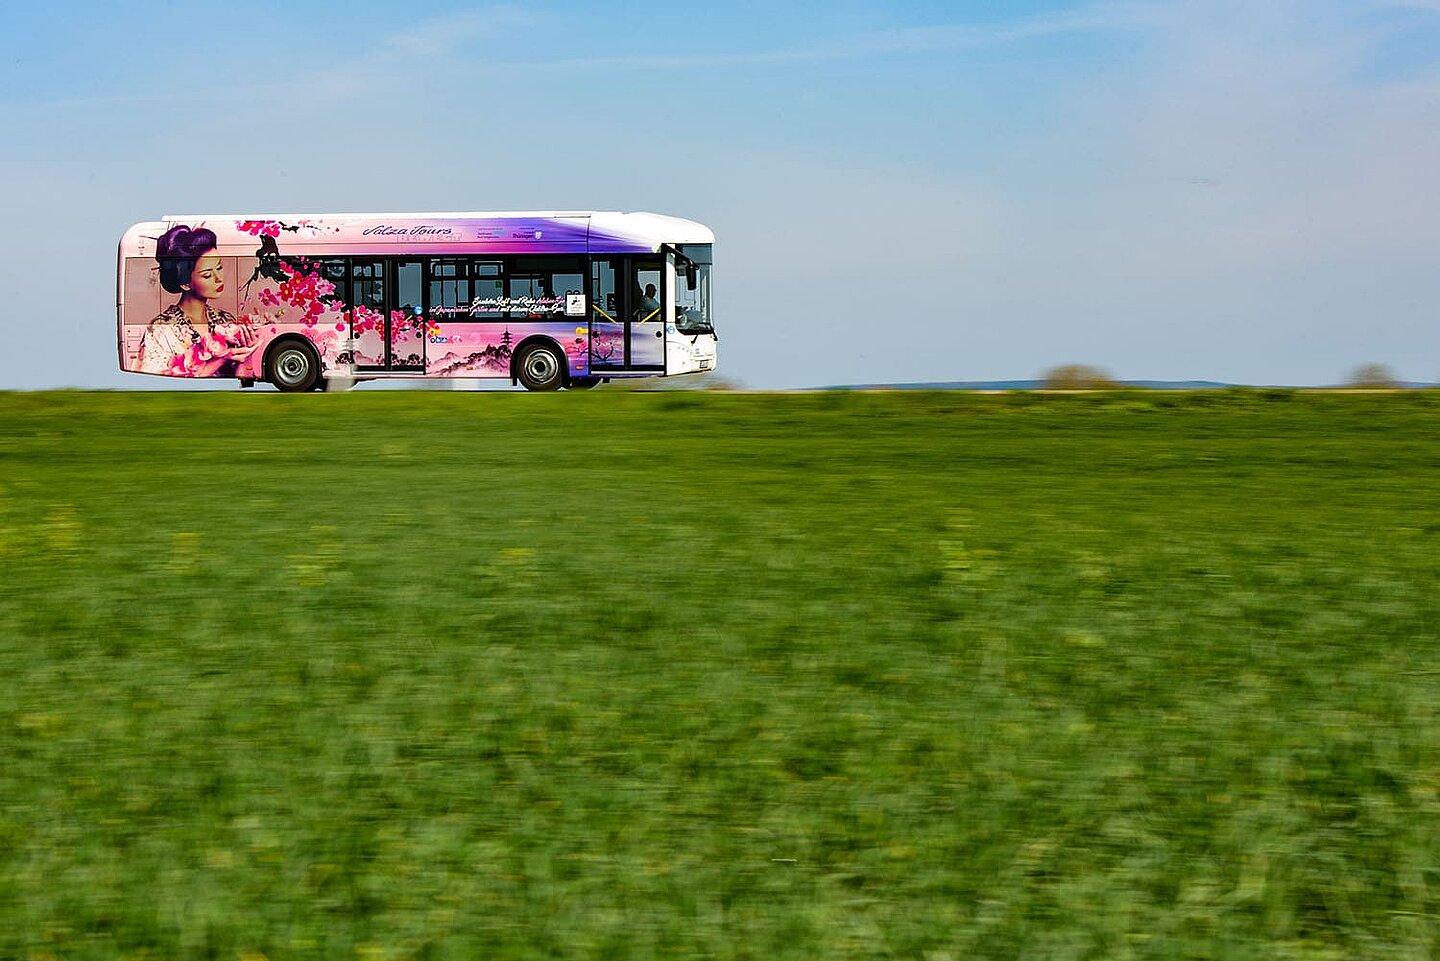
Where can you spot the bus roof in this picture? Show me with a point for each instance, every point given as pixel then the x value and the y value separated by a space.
pixel 467 232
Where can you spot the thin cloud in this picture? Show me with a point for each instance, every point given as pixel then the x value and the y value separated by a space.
pixel 942 37
pixel 432 38
pixel 449 36
pixel 441 36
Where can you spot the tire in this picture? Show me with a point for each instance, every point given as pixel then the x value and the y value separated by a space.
pixel 540 367
pixel 582 383
pixel 293 367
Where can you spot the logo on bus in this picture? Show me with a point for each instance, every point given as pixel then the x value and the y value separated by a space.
pixel 422 230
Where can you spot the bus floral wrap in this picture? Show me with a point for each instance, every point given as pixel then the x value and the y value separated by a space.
pixel 396 295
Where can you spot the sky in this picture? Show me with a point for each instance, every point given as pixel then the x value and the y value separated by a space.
pixel 900 191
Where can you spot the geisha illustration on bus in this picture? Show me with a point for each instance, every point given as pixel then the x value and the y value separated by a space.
pixel 192 338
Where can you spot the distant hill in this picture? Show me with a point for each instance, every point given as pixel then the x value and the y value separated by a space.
pixel 1136 384
pixel 1027 385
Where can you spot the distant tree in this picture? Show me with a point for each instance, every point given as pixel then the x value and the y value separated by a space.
pixel 1372 377
pixel 1077 377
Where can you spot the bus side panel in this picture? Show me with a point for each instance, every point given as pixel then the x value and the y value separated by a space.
pixel 461 348
pixel 141 299
pixel 295 298
pixel 251 306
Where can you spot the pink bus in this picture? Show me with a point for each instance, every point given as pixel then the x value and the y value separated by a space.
pixel 305 302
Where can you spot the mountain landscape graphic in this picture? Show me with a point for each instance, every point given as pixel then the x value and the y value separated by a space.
pixel 491 357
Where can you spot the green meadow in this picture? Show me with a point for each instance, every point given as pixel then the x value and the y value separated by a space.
pixel 432 675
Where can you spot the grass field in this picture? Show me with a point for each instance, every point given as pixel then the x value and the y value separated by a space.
pixel 622 675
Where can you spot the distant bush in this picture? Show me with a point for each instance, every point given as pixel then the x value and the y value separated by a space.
pixel 1077 377
pixel 1372 377
pixel 1276 394
pixel 704 381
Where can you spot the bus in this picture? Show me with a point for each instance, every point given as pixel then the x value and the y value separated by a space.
pixel 312 302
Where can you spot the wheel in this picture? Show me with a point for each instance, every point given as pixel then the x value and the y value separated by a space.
pixel 293 367
pixel 540 367
pixel 582 383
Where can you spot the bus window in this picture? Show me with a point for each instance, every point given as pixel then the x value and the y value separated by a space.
pixel 449 289
pixel 528 296
pixel 646 293
pixel 693 312
pixel 488 289
pixel 333 270
pixel 369 284
pixel 562 284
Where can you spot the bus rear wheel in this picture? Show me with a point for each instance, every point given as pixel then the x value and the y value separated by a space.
pixel 540 367
pixel 582 383
pixel 293 367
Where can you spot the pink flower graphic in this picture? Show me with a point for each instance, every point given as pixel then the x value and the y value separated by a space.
pixel 260 228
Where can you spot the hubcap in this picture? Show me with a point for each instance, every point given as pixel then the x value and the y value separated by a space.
pixel 293 366
pixel 541 366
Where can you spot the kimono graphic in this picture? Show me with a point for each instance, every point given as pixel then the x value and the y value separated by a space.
pixel 172 345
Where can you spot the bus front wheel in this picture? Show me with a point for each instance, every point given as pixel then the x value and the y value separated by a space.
pixel 541 367
pixel 294 368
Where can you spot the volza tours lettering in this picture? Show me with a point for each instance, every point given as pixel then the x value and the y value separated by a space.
pixel 423 230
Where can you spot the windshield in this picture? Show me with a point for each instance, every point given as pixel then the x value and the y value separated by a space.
pixel 693 312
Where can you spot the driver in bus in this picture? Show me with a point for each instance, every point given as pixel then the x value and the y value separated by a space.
pixel 649 306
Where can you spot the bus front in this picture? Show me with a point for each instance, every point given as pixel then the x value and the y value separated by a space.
pixel 690 339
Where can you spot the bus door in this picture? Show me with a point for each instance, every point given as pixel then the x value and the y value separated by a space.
pixel 405 321
pixel 367 309
pixel 627 320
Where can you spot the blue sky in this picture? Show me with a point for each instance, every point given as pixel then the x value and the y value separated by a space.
pixel 901 191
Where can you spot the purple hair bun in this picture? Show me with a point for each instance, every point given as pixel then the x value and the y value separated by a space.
pixel 177 250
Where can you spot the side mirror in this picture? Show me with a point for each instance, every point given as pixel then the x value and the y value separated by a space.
pixel 692 276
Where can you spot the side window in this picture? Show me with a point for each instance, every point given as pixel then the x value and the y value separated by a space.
pixel 332 270
pixel 487 289
pixel 368 284
pixel 645 293
pixel 567 283
pixel 537 286
pixel 528 293
pixel 449 289
pixel 603 298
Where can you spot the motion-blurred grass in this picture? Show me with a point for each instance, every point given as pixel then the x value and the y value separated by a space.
pixel 426 675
